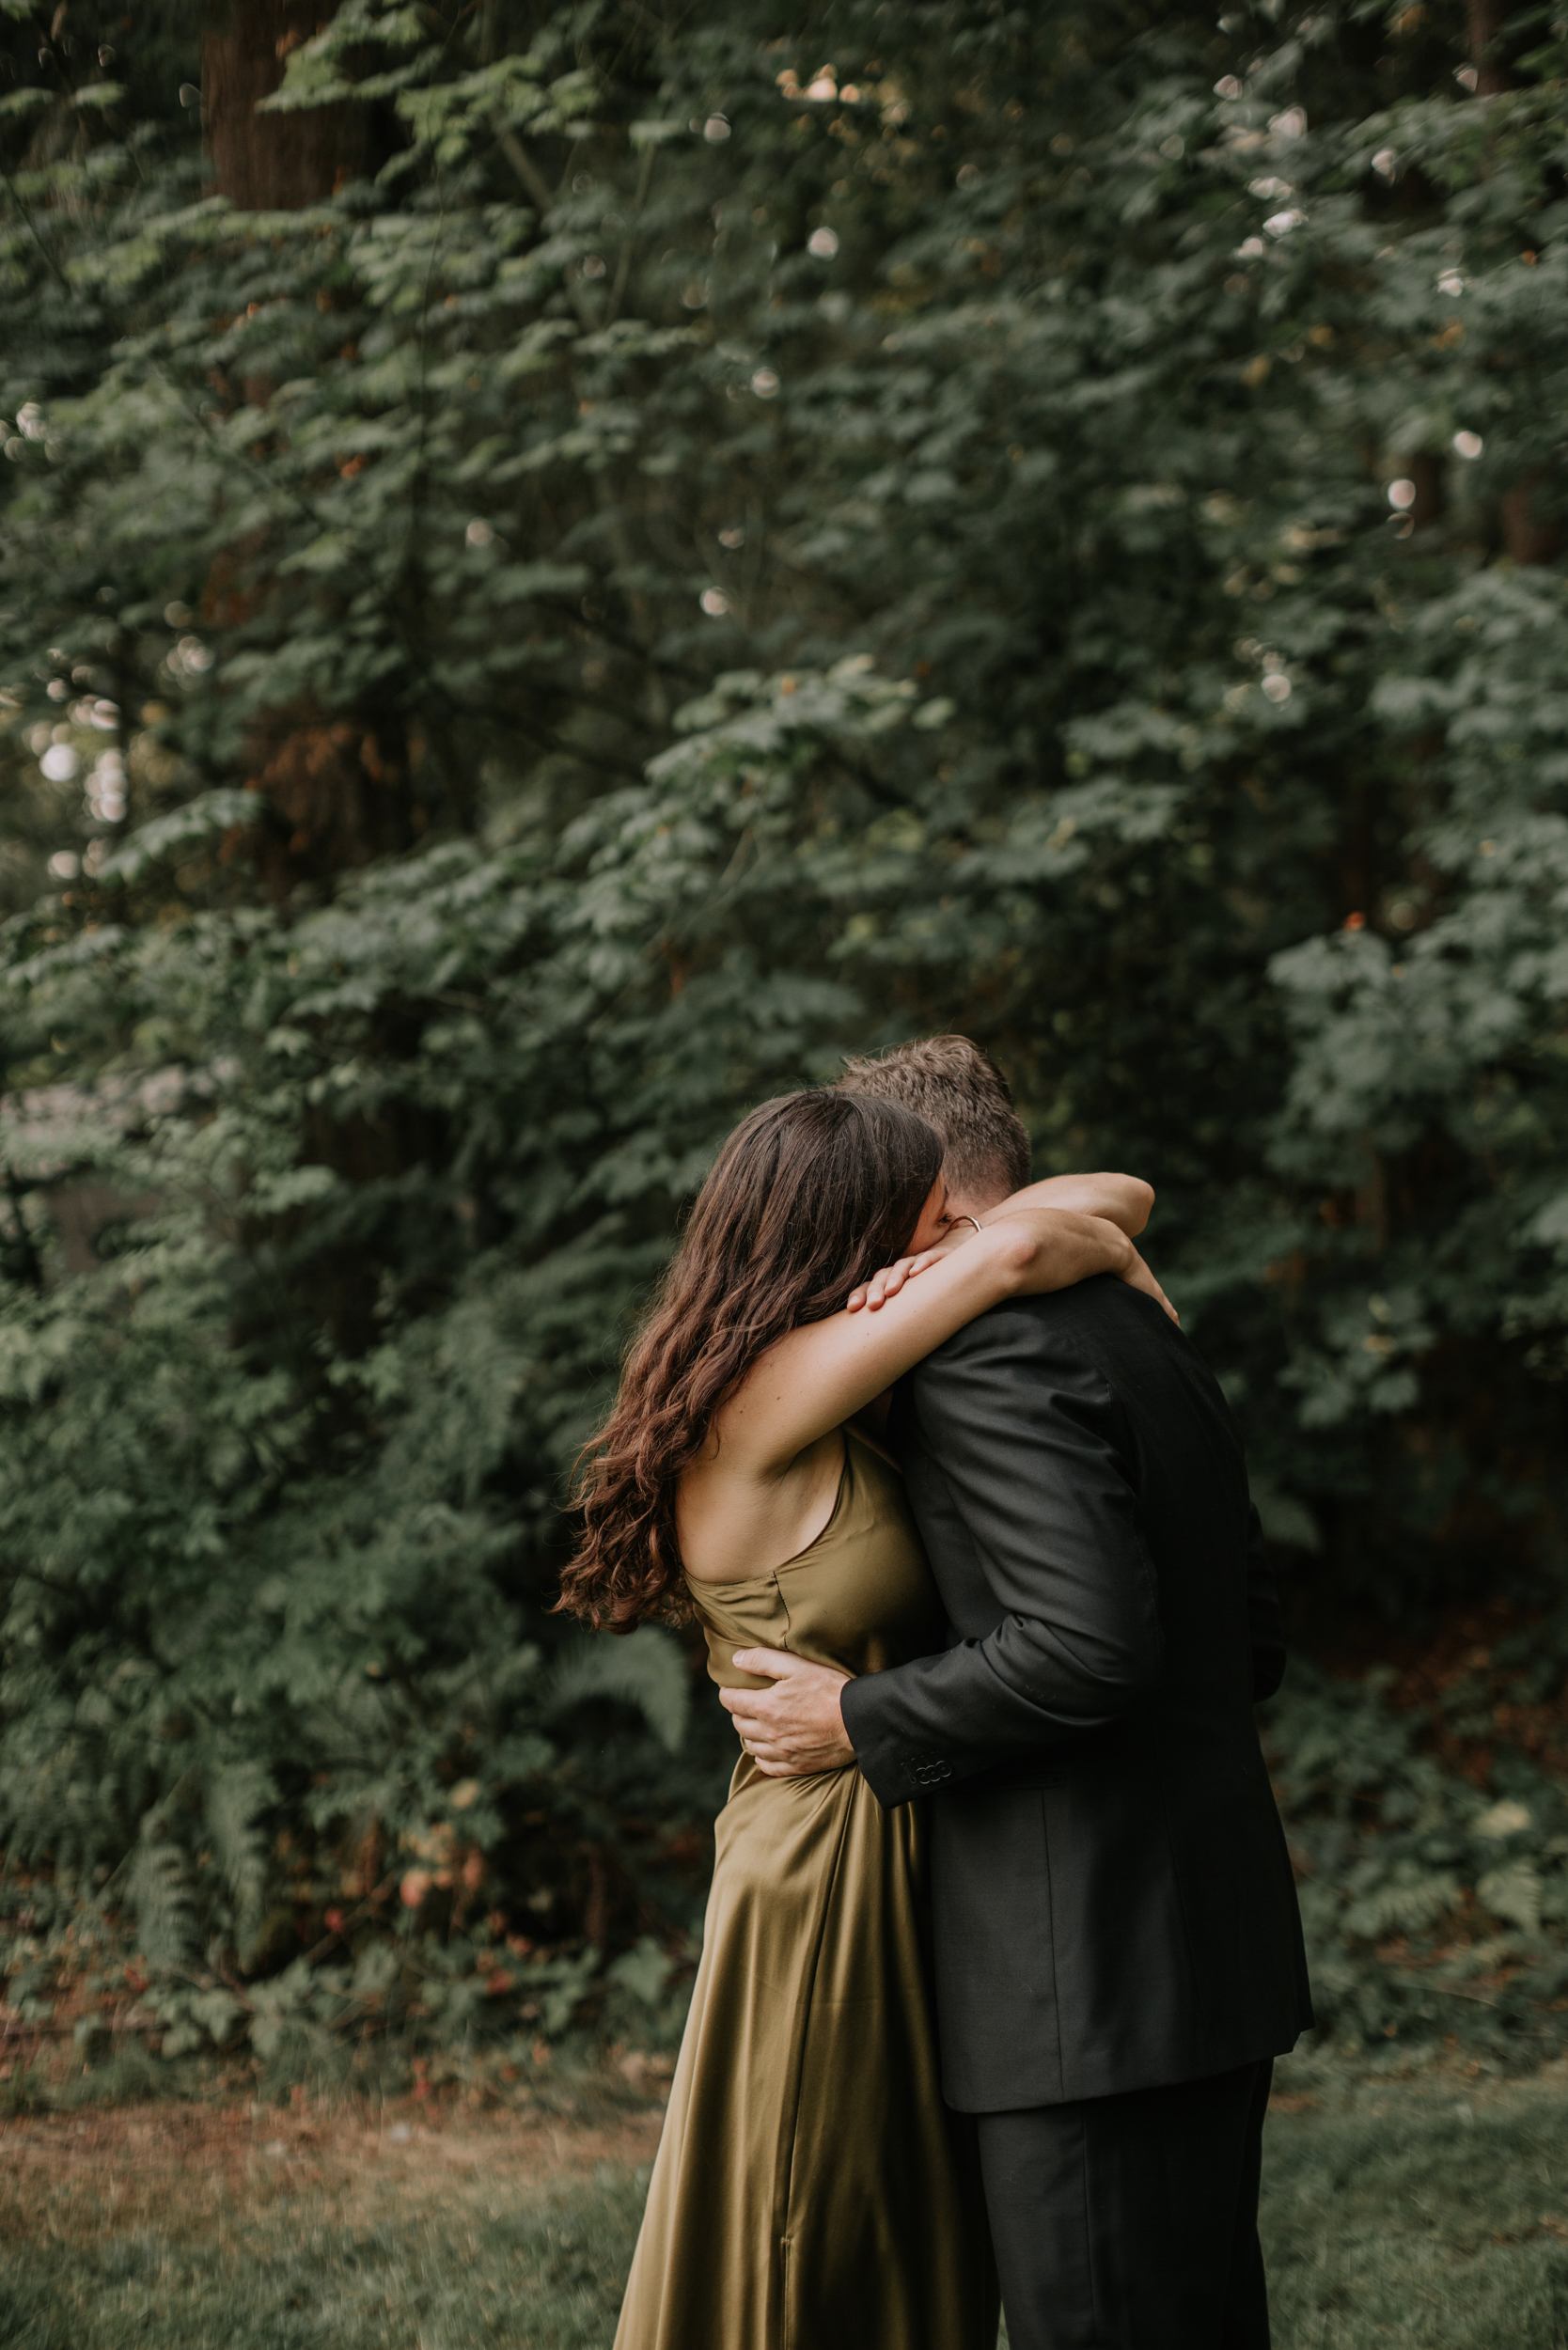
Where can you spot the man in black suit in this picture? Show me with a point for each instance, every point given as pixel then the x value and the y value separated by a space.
pixel 1118 1947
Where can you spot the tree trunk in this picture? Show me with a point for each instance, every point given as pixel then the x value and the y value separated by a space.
pixel 1484 20
pixel 1427 472
pixel 341 788
pixel 1528 537
pixel 272 161
pixel 339 785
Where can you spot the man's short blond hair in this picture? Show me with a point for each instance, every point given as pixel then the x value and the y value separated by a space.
pixel 954 1087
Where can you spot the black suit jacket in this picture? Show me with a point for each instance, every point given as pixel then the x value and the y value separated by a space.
pixel 1114 1905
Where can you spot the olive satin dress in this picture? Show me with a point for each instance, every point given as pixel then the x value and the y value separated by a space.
pixel 813 2191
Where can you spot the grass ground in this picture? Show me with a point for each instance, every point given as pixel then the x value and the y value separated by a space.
pixel 1424 2217
pixel 1432 2218
pixel 172 2227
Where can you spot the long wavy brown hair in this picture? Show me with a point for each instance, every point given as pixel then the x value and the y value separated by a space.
pixel 810 1195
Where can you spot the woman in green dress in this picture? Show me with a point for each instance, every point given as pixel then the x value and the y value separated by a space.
pixel 813 2191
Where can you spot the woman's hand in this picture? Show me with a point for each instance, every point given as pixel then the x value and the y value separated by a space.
pixel 887 1283
pixel 1139 1277
pixel 891 1279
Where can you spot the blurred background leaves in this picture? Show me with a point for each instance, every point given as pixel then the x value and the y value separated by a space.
pixel 562 569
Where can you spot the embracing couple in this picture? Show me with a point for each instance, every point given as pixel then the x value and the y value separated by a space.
pixel 1002 1936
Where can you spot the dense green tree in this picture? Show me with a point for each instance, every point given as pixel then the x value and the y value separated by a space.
pixel 673 550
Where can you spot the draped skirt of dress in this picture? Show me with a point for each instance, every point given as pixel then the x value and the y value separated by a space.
pixel 813 2191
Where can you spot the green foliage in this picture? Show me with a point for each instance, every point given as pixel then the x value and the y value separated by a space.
pixel 1434 1910
pixel 238 1799
pixel 692 561
pixel 642 1668
pixel 308 1534
pixel 157 1891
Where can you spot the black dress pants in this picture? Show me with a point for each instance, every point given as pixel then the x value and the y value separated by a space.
pixel 1131 2222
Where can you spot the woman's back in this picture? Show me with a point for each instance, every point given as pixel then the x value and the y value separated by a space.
pixel 859 1597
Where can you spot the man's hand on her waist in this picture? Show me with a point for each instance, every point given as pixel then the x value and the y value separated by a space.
pixel 795 1728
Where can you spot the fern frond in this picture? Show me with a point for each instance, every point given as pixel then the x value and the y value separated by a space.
pixel 158 1892
pixel 236 1798
pixel 645 1668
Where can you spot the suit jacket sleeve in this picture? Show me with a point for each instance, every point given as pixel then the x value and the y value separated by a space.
pixel 1022 1454
pixel 1264 1620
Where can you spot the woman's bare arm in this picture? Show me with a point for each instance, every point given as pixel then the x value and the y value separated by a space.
pixel 817 1377
pixel 1124 1200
